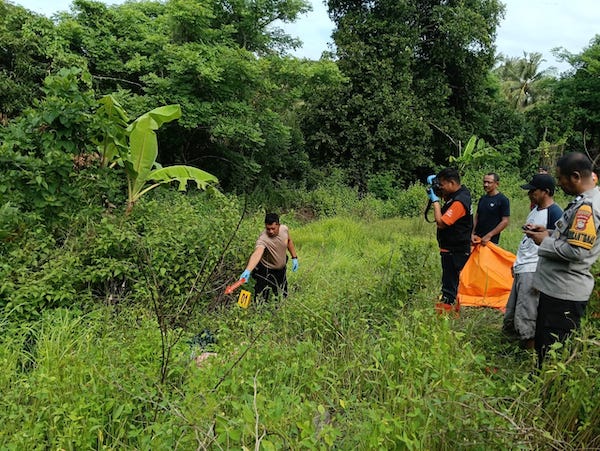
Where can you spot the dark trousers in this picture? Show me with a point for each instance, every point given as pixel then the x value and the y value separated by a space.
pixel 268 280
pixel 452 264
pixel 556 320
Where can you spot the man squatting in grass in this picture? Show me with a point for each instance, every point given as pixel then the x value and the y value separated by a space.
pixel 454 222
pixel 566 255
pixel 493 212
pixel 269 259
pixel 521 308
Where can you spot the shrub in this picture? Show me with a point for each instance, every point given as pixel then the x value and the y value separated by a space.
pixel 332 200
pixel 163 246
pixel 411 202
pixel 382 185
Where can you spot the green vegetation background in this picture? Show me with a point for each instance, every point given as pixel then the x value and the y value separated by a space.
pixel 106 309
pixel 355 357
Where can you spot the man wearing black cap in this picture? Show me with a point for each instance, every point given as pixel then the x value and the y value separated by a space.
pixel 521 309
pixel 566 255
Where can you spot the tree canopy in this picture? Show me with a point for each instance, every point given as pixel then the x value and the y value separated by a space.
pixel 417 83
pixel 409 84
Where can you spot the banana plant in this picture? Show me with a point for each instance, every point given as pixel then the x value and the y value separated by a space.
pixel 139 156
pixel 474 152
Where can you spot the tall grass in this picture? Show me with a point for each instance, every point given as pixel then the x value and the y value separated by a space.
pixel 354 358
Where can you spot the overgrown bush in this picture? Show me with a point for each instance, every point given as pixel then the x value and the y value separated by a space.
pixel 332 200
pixel 169 246
pixel 88 383
pixel 382 185
pixel 39 150
pixel 410 202
pixel 10 222
pixel 354 358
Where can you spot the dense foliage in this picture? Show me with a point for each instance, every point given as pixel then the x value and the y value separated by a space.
pixel 239 109
pixel 409 84
pixel 111 289
pixel 354 358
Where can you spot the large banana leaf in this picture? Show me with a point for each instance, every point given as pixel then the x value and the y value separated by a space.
pixel 181 174
pixel 143 145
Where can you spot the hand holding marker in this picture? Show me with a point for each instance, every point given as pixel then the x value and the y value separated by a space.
pixel 243 279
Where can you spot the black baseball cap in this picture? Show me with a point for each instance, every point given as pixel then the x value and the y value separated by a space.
pixel 541 181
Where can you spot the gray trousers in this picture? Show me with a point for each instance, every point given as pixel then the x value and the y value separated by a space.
pixel 522 306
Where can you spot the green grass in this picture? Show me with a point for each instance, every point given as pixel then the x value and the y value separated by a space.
pixel 354 358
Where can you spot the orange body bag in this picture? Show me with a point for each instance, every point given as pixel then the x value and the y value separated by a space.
pixel 486 279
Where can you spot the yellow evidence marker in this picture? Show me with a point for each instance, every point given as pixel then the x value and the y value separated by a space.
pixel 244 299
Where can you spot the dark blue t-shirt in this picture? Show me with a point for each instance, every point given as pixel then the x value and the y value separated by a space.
pixel 490 211
pixel 554 214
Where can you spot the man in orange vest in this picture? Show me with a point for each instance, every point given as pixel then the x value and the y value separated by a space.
pixel 454 222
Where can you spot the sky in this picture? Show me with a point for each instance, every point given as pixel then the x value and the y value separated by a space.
pixel 528 25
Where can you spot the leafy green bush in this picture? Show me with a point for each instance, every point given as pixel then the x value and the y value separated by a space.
pixel 84 388
pixel 171 247
pixel 9 221
pixel 328 201
pixel 39 149
pixel 568 386
pixel 354 358
pixel 410 202
pixel 382 185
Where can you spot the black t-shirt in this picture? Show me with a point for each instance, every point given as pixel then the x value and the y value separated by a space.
pixel 490 211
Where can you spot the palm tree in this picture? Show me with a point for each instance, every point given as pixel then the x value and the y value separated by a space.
pixel 523 83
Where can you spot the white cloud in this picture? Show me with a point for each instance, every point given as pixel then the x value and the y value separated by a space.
pixel 541 25
pixel 314 30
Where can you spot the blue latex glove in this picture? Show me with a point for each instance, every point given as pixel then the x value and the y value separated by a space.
pixel 430 179
pixel 245 275
pixel 294 264
pixel 432 195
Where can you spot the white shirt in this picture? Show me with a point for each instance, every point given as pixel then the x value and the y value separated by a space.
pixel 527 254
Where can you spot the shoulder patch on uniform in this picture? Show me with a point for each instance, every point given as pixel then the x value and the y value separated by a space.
pixel 582 232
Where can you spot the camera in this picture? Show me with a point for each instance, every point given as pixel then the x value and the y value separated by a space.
pixel 434 184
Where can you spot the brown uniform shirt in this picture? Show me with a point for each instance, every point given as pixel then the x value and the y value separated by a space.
pixel 275 254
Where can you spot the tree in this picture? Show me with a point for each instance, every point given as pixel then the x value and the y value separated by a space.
pixel 253 22
pixel 192 53
pixel 26 58
pixel 453 54
pixel 523 83
pixel 577 97
pixel 417 82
